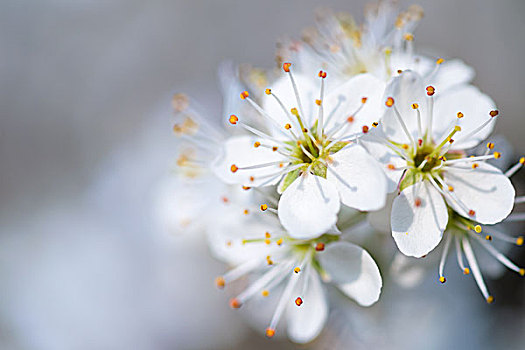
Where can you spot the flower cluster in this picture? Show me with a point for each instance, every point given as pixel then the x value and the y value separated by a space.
pixel 352 115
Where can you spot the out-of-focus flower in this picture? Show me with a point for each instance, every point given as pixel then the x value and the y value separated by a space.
pixel 260 250
pixel 431 168
pixel 383 45
pixel 309 148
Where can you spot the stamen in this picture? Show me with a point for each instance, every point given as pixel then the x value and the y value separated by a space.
pixel 475 270
pixel 444 255
pixel 515 168
pixel 499 256
pixel 459 257
pixel 492 114
pixel 320 117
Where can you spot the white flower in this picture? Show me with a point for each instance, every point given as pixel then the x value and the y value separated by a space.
pixel 309 147
pixel 418 147
pixel 382 45
pixel 274 262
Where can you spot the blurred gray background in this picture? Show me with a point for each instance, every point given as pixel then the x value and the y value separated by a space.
pixel 85 135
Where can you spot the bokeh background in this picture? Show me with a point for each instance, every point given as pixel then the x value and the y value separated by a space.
pixel 85 137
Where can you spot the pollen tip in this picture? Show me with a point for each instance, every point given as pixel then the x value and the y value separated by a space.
pixel 264 207
pixel 442 279
pixel 466 271
pixel 408 36
pixel 477 228
pixel 522 272
pixel 322 74
pixel 256 144
pixel 233 119
pixel 318 102
pixel 519 241
pixel 471 212
pixel 497 155
pixel 490 299
pixel 265 293
pixel 246 188
pixel 375 124
pixel 391 167
pixel 522 160
pixel 417 202
pixel 294 111
pixel 365 129
pixel 457 128
pixel 298 301
pixel 389 102
pixel 267 235
pixel 430 90
pixel 488 237
pixel 404 146
pixel 494 113
pixel 286 66
pixel 319 247
pixel 220 282
pixel 415 106
pixel 268 91
pixel 279 241
pixel 350 119
pixel 490 145
pixel 234 168
pixel 460 115
pixel 288 126
pixel 440 61
pixel 297 269
pixel 364 99
pixel 270 332
pixel 246 211
pixel 235 303
pixel 244 94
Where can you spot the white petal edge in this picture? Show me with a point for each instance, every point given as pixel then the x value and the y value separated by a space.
pixel 353 271
pixel 417 230
pixel 309 207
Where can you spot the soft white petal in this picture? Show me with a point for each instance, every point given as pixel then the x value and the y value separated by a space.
pixel 353 270
pixel 308 87
pixel 239 150
pixel 418 230
pixel 485 190
pixel 359 178
pixel 349 96
pixel 309 206
pixel 451 73
pixel 305 322
pixel 389 160
pixel 475 106
pixel 406 89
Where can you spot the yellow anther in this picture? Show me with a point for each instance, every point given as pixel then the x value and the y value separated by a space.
pixel 460 115
pixel 246 211
pixel 286 67
pixel 235 303
pixel 319 247
pixel 246 188
pixel 440 60
pixel 522 272
pixel 267 235
pixel 270 332
pixel 404 146
pixel 466 271
pixel 256 144
pixel 375 124
pixel 430 90
pixel 457 128
pixel 391 167
pixel 297 270
pixel 488 237
pixel 279 241
pixel 415 106
pixel 408 37
pixel 180 102
pixel 389 102
pixel 477 228
pixel 497 155
pixel 268 91
pixel 233 119
pixel 494 113
pixel 490 299
pixel 264 207
pixel 265 293
pixel 350 119
pixel 364 99
pixel 244 242
pixel 522 160
pixel 475 165
pixel 450 189
pixel 220 282
pixel 234 168
pixel 294 111
pixel 388 51
pixel 244 94
pixel 519 241
pixel 287 126
pixel 318 102
pixel 267 241
pixel 442 279
pixel 490 145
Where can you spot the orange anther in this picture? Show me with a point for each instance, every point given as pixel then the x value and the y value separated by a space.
pixel 235 303
pixel 494 113
pixel 234 168
pixel 244 94
pixel 270 332
pixel 365 129
pixel 431 90
pixel 298 301
pixel 220 282
pixel 233 119
pixel 389 102
pixel 286 67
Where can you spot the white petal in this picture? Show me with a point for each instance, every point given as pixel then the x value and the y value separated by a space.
pixel 305 322
pixel 451 73
pixel 485 190
pixel 359 178
pixel 350 95
pixel 385 156
pixel 309 206
pixel 418 230
pixel 239 150
pixel 308 88
pixel 353 270
pixel 475 106
pixel 406 89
